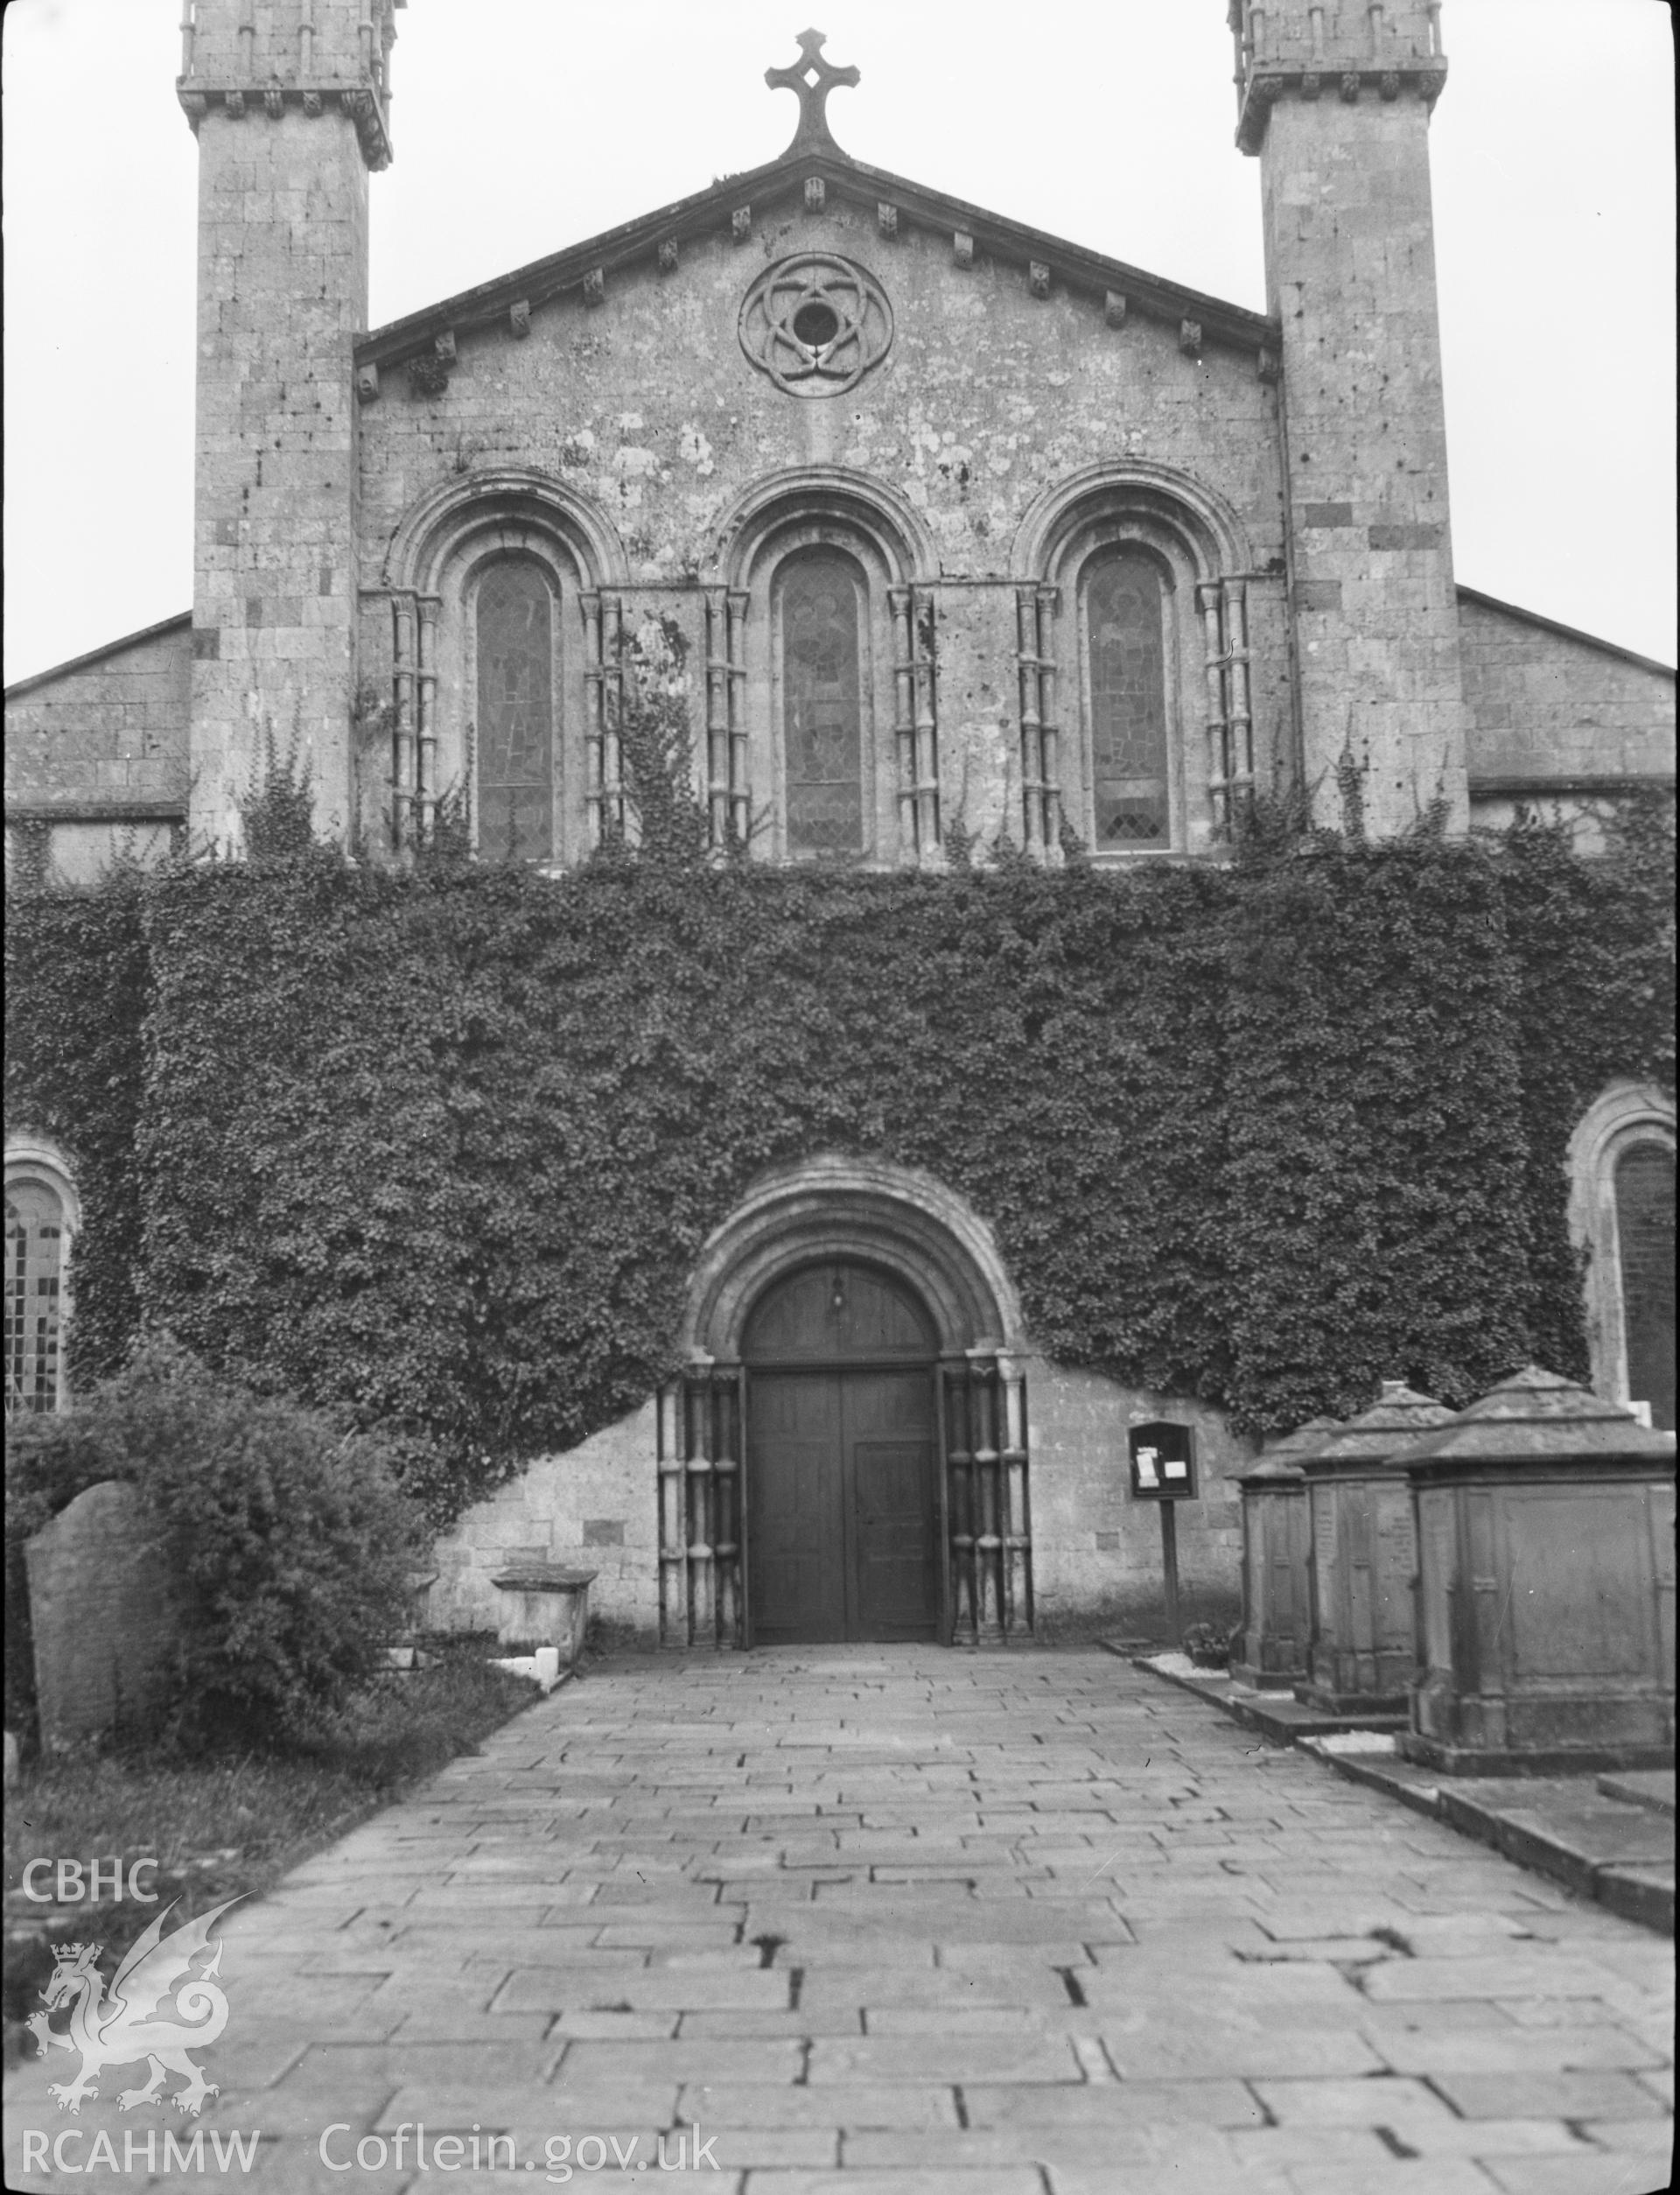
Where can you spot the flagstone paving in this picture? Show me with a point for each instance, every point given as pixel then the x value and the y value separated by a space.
pixel 894 1921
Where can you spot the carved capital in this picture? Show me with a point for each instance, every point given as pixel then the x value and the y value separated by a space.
pixel 1190 338
pixel 312 105
pixel 234 102
pixel 1311 84
pixel 595 286
pixel 1038 278
pixel 1389 84
pixel 194 106
pixel 1350 86
pixel 886 219
pixel 273 103
pixel 816 193
pixel 668 255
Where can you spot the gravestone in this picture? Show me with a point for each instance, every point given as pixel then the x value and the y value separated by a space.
pixel 104 1631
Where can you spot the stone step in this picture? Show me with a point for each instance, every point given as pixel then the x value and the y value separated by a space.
pixel 1651 1787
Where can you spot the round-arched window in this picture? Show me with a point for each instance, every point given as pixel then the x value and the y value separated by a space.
pixel 1126 683
pixel 823 704
pixel 515 722
pixel 35 1233
pixel 1644 1185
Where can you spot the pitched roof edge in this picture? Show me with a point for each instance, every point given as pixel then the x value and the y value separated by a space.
pixel 1565 632
pixel 541 280
pixel 183 618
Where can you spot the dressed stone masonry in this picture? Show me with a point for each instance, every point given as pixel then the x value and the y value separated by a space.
pixel 290 106
pixel 1295 458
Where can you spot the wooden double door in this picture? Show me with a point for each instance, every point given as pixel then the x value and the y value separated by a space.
pixel 841 1447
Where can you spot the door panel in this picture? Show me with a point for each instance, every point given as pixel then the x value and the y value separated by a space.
pixel 840 1478
pixel 889 1438
pixel 795 1479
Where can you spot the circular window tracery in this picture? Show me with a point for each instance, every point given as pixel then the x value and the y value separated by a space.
pixel 815 324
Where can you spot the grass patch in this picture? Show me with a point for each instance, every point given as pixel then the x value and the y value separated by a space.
pixel 221 1824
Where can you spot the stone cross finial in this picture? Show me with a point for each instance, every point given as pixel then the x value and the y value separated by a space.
pixel 813 78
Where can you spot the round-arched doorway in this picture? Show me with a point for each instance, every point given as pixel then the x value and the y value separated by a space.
pixel 841 1456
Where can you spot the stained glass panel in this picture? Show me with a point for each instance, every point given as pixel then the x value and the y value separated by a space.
pixel 34 1288
pixel 515 728
pixel 1128 688
pixel 822 707
pixel 1645 1228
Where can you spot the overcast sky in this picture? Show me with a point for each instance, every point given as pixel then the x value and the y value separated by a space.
pixel 525 125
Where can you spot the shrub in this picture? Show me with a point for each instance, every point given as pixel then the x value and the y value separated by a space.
pixel 1207 1644
pixel 283 1540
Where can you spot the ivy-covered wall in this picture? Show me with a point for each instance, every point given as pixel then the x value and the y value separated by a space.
pixel 440 1148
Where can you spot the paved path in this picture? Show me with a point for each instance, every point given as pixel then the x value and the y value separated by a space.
pixel 892 1921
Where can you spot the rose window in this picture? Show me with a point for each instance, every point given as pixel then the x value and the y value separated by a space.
pixel 815 324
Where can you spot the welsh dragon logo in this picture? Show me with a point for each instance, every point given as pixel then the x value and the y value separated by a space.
pixel 123 2025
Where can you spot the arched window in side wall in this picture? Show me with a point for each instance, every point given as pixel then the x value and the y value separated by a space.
pixel 35 1271
pixel 1644 1186
pixel 822 705
pixel 1126 698
pixel 1621 1219
pixel 515 637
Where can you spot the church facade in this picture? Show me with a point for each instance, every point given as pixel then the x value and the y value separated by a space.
pixel 944 526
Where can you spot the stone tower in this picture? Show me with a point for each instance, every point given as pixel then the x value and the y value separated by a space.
pixel 290 101
pixel 1335 99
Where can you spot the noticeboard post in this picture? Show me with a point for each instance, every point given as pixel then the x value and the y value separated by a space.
pixel 1162 1464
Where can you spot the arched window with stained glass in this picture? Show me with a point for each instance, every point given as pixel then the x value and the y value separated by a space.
pixel 1126 688
pixel 34 1290
pixel 516 732
pixel 822 705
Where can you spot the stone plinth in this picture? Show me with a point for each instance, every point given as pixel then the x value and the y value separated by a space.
pixel 1363 1651
pixel 1545 1535
pixel 103 1628
pixel 543 1604
pixel 1270 1649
